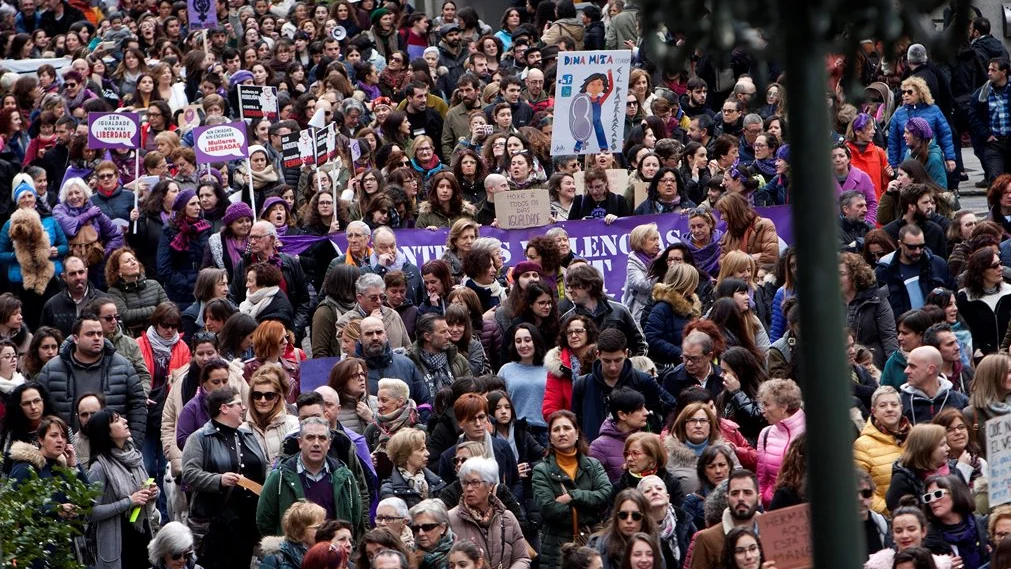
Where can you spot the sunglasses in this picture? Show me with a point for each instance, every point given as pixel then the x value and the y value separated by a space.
pixel 268 395
pixel 458 460
pixel 423 527
pixel 935 495
pixel 866 493
pixel 182 555
pixel 636 516
pixel 907 91
pixel 915 246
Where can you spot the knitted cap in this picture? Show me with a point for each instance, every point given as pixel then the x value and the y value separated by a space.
pixel 919 128
pixel 240 76
pixel 783 153
pixel 271 202
pixel 526 267
pixel 257 148
pixel 237 211
pixel 182 198
pixel 22 189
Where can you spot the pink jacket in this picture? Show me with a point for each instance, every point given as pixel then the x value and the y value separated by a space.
pixel 772 444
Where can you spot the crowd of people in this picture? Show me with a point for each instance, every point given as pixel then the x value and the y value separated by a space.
pixel 478 415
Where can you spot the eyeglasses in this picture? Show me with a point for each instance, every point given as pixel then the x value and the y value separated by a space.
pixel 668 180
pixel 696 421
pixel 255 237
pixel 110 318
pixel 169 326
pixel 636 516
pixel 914 246
pixel 479 418
pixel 471 483
pixel 106 176
pixel 634 454
pixel 70 85
pixel 866 493
pixel 957 428
pixel 182 555
pixel 360 375
pixel 32 403
pixel 423 527
pixel 543 303
pixel 576 331
pixel 935 495
pixel 996 265
pixel 9 356
pixel 388 519
pixel 753 548
pixel 692 359
pixel 268 395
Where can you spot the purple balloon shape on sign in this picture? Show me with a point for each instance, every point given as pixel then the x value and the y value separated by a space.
pixel 220 143
pixel 113 130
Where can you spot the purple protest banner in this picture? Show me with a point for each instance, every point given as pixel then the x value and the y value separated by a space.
pixel 113 130
pixel 603 246
pixel 220 143
pixel 202 14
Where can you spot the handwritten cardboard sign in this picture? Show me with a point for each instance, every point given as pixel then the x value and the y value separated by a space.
pixel 617 181
pixel 517 209
pixel 641 192
pixel 998 452
pixel 251 485
pixel 786 537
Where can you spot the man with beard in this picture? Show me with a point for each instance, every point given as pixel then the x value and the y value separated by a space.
pixel 457 123
pixel 694 101
pixel 917 206
pixel 852 224
pixel 424 119
pixel 436 357
pixel 382 361
pixel 742 499
pixel 452 56
pixel 912 272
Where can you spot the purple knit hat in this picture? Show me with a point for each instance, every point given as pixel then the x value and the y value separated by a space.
pixel 783 153
pixel 526 267
pixel 919 128
pixel 182 198
pixel 237 211
pixel 271 202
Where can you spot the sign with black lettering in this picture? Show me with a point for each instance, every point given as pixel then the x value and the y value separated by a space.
pixel 291 153
pixel 998 452
pixel 786 536
pixel 258 102
pixel 517 209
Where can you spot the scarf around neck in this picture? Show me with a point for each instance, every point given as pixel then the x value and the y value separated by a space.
pixel 439 373
pixel 393 422
pixel 666 530
pixel 417 482
pixel 398 263
pixel 125 474
pixel 256 301
pixel 161 347
pixel 188 231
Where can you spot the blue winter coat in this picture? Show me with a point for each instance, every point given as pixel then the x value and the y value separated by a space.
pixel 934 165
pixel 666 323
pixel 933 115
pixel 177 270
pixel 117 206
pixel 57 238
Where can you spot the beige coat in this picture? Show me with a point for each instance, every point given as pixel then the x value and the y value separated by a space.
pixel 502 541
pixel 396 333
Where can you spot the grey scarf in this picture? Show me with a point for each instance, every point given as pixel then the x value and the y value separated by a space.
pixel 161 347
pixel 125 474
pixel 439 373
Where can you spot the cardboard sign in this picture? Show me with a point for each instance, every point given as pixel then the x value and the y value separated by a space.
pixel 641 192
pixel 202 14
pixel 220 143
pixel 190 117
pixel 252 486
pixel 617 181
pixel 518 209
pixel 315 372
pixel 291 154
pixel 258 102
pixel 113 130
pixel 998 453
pixel 786 537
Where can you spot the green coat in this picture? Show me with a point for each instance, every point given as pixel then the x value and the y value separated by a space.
pixel 283 488
pixel 590 493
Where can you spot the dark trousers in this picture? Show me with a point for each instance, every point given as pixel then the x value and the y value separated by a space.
pixel 997 157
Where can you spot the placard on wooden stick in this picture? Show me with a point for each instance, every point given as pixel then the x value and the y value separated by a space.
pixel 517 209
pixel 786 537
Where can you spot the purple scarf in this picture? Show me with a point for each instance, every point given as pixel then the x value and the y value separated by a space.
pixel 646 259
pixel 188 230
pixel 707 258
pixel 235 249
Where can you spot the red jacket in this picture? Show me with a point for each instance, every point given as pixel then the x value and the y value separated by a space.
pixel 747 456
pixel 558 388
pixel 873 161
pixel 180 357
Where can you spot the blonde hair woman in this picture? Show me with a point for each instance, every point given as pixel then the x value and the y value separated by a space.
pixel 410 480
pixel 988 398
pixel 676 306
pixel 268 416
pixel 918 101
pixel 644 245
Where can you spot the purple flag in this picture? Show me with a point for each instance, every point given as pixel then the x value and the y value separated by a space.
pixel 603 246
pixel 201 14
pixel 220 143
pixel 113 130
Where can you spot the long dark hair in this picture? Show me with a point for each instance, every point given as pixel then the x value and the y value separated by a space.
pixel 539 348
pixel 978 264
pixel 614 542
pixel 32 363
pixel 730 544
pixel 729 318
pixel 525 308
pixel 15 423
pixel 99 432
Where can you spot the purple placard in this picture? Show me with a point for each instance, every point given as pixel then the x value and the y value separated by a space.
pixel 220 143
pixel 113 130
pixel 603 246
pixel 202 14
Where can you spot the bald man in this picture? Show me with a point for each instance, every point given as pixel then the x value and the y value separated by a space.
pixel 493 184
pixel 926 391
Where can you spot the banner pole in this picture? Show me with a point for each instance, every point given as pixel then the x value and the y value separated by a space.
pixel 252 193
pixel 136 184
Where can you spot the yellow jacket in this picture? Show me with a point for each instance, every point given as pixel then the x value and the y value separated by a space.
pixel 875 452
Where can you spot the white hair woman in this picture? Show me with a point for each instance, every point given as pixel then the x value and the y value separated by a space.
pixel 172 548
pixel 432 534
pixel 395 410
pixel 392 513
pixel 672 529
pixel 644 246
pixel 480 509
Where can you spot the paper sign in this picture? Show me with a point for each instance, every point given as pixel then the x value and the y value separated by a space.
pixel 319 146
pixel 291 154
pixel 641 192
pixel 786 536
pixel 202 14
pixel 113 130
pixel 220 143
pixel 517 209
pixel 617 181
pixel 998 453
pixel 590 101
pixel 252 486
pixel 258 102
pixel 190 117
pixel 315 372
pixel 356 150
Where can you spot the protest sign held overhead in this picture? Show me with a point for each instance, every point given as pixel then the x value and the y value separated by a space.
pixel 113 130
pixel 202 14
pixel 220 143
pixel 257 102
pixel 590 101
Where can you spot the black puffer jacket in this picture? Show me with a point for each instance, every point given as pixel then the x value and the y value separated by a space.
pixel 121 386
pixel 873 323
pixel 396 487
pixel 136 302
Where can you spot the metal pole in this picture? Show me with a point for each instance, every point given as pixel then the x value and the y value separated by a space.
pixel 827 391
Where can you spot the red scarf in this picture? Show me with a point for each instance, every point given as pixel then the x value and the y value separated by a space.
pixel 187 230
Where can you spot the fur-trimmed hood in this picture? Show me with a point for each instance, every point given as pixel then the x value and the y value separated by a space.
pixel 679 304
pixel 25 452
pixel 553 361
pixel 678 453
pixel 468 208
pixel 271 544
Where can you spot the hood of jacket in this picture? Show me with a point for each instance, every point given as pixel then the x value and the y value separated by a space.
pixel 557 360
pixel 918 395
pixel 610 429
pixel 25 452
pixel 678 303
pixel 678 453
